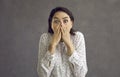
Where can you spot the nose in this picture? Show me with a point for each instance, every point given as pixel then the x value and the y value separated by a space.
pixel 61 23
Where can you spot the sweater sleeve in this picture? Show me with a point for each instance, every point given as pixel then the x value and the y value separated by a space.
pixel 78 58
pixel 45 59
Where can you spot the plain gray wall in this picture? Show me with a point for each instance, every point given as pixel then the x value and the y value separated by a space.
pixel 23 21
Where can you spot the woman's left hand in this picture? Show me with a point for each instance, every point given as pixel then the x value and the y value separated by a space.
pixel 65 34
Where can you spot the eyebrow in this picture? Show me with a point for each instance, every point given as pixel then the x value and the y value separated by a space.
pixel 58 18
pixel 65 17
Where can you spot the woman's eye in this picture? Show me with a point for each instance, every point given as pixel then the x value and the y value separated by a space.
pixel 56 21
pixel 65 21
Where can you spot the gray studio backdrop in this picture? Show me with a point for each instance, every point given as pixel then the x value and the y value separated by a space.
pixel 23 21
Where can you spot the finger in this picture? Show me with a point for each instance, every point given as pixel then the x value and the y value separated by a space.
pixel 62 29
pixel 56 29
pixel 59 34
pixel 67 29
pixel 58 26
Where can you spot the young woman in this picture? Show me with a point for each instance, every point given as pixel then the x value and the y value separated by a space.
pixel 62 51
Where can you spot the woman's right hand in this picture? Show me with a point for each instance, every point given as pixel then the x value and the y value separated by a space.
pixel 55 38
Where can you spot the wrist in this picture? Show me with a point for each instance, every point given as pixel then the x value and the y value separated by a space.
pixel 70 50
pixel 51 48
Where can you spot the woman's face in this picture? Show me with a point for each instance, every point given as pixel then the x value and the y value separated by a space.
pixel 61 19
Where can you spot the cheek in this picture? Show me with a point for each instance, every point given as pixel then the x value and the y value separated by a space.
pixel 69 25
pixel 54 26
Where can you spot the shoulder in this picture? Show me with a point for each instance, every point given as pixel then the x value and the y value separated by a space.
pixel 45 36
pixel 78 38
pixel 79 34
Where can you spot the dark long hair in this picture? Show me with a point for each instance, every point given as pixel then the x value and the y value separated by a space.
pixel 63 9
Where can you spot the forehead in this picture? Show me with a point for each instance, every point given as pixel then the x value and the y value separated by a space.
pixel 61 15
